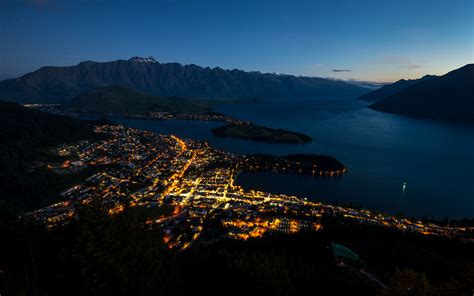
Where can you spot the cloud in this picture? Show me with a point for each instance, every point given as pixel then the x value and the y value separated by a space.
pixel 398 61
pixel 340 70
pixel 410 66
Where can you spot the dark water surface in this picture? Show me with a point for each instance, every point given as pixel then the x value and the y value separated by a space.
pixel 382 151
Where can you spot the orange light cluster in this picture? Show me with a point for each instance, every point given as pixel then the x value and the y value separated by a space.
pixel 116 210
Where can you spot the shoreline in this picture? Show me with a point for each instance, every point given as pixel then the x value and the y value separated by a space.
pixel 232 128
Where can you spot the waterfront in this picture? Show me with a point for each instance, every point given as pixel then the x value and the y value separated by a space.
pixel 188 182
pixel 381 151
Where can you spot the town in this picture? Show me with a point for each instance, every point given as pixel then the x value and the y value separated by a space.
pixel 186 188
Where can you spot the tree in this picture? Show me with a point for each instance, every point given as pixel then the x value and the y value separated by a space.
pixel 407 282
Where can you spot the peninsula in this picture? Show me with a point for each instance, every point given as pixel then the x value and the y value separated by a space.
pixel 120 101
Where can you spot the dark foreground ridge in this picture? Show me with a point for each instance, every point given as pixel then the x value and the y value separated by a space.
pixel 250 131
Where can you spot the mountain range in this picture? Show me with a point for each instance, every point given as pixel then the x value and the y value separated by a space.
pixel 391 89
pixel 447 97
pixel 60 84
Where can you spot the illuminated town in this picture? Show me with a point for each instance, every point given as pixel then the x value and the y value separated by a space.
pixel 189 186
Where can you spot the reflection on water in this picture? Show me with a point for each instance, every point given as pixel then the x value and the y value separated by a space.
pixel 382 151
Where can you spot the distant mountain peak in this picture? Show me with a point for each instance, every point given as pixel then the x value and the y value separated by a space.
pixel 149 59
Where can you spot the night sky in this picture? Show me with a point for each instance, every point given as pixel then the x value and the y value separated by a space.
pixel 377 40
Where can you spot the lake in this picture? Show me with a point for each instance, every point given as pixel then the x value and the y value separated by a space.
pixel 382 152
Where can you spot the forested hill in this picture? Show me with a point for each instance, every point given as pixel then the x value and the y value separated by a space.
pixel 26 136
pixel 447 97
pixel 22 126
pixel 123 100
pixel 391 89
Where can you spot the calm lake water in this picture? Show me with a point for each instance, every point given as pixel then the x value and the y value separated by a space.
pixel 382 151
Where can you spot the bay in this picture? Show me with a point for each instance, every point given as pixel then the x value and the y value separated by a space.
pixel 382 152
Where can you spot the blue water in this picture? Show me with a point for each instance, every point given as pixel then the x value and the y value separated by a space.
pixel 382 151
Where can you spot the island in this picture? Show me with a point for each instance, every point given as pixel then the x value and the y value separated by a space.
pixel 254 132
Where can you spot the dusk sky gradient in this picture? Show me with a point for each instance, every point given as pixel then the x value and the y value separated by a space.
pixel 382 40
